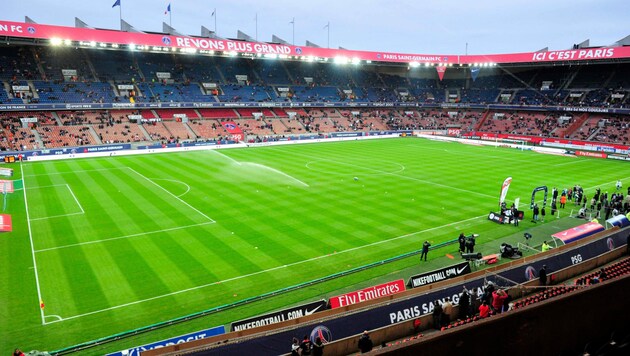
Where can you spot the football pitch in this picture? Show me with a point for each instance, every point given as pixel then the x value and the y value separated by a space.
pixel 118 243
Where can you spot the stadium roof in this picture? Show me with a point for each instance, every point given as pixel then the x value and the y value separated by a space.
pixel 171 41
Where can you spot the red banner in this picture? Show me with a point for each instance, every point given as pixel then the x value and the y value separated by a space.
pixel 441 70
pixel 235 132
pixel 5 223
pixel 367 294
pixel 96 37
pixel 591 154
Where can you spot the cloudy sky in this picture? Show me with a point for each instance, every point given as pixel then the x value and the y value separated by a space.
pixel 408 26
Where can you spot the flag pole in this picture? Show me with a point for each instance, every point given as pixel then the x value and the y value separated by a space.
pixel 215 21
pixel 256 27
pixel 170 16
pixel 120 16
pixel 293 23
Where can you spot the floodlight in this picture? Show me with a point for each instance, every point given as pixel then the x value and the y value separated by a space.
pixel 341 60
pixel 56 41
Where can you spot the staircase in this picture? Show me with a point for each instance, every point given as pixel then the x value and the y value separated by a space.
pixel 481 122
pixel 191 133
pixel 574 126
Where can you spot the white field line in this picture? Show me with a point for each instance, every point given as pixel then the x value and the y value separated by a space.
pixel 264 271
pixel 57 216
pixel 62 215
pixel 226 156
pixel 47 186
pixel 176 181
pixel 77 171
pixel 277 171
pixel 75 198
pixel 30 237
pixel 122 237
pixel 173 195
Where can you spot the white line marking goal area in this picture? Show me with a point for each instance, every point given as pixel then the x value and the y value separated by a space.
pixel 40 210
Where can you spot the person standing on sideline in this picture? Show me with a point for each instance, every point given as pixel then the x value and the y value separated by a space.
pixel 470 244
pixel 563 201
pixel 542 275
pixel 425 250
pixel 462 242
pixel 365 343
pixel 536 212
pixel 543 213
pixel 545 246
pixel 515 215
pixel 618 185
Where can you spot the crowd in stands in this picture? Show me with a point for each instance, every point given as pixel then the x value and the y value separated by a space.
pixel 70 75
pixel 165 125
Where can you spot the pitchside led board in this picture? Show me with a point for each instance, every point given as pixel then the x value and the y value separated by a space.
pixel 280 316
pixel 438 275
pixel 137 350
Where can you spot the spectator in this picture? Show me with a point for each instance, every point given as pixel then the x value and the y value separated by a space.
pixel 498 297
pixel 484 309
pixel 464 304
pixel 318 347
pixel 542 275
pixel 365 343
pixel 447 307
pixel 306 346
pixel 295 347
pixel 437 314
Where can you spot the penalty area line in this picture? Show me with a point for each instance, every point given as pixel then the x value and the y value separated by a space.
pixel 123 237
pixel 261 272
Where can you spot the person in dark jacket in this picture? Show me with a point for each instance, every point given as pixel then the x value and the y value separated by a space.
pixel 306 346
pixel 425 250
pixel 464 304
pixel 318 347
pixel 542 275
pixel 462 242
pixel 365 343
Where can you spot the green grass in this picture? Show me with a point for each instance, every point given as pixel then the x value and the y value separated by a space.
pixel 121 243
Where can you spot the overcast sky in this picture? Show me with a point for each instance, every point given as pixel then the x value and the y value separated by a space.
pixel 407 26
